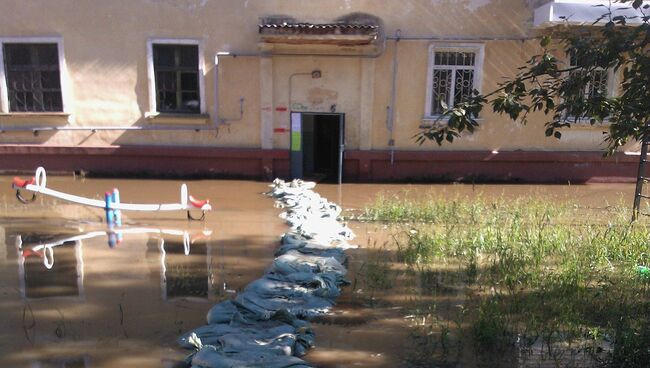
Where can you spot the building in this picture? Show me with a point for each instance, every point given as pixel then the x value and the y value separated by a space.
pixel 265 88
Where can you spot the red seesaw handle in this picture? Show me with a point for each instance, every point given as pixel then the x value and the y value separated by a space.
pixel 22 183
pixel 198 203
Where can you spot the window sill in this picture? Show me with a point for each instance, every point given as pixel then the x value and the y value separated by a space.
pixel 36 117
pixel 584 124
pixel 35 114
pixel 436 122
pixel 176 118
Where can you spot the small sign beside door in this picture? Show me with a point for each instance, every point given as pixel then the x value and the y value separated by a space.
pixel 296 132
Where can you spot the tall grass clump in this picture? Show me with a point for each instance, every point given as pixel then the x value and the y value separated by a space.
pixel 546 277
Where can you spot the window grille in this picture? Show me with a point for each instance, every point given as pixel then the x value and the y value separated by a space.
pixel 176 69
pixel 33 77
pixel 452 78
pixel 597 81
pixel 595 84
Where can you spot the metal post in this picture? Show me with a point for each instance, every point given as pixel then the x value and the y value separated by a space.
pixel 640 178
pixel 341 147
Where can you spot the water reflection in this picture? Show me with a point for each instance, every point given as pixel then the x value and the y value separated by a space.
pixel 78 362
pixel 184 274
pixel 135 302
pixel 51 264
pixel 41 277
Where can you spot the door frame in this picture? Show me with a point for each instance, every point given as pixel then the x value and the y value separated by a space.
pixel 296 143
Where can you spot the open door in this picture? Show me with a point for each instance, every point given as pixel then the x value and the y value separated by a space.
pixel 317 146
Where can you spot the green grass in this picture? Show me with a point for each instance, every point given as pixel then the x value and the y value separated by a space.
pixel 535 271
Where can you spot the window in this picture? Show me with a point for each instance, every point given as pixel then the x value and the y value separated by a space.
pixel 33 78
pixel 177 78
pixel 599 83
pixel 454 72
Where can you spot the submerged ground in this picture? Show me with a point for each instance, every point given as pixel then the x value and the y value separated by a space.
pixel 98 306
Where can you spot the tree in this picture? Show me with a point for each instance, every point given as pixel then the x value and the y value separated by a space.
pixel 567 93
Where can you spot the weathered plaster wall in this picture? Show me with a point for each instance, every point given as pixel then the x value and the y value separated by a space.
pixel 337 90
pixel 495 132
pixel 105 52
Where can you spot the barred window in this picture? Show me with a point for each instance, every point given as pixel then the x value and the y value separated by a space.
pixel 453 76
pixel 598 79
pixel 596 84
pixel 33 77
pixel 176 69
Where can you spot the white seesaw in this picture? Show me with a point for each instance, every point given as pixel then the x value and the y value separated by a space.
pixel 112 203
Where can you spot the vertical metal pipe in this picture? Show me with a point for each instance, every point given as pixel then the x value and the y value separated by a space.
pixel 341 148
pixel 217 120
pixel 393 92
pixel 216 91
pixel 640 178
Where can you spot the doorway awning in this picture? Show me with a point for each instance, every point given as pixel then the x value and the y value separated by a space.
pixel 327 38
pixel 582 13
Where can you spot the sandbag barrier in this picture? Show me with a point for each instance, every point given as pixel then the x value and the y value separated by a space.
pixel 266 324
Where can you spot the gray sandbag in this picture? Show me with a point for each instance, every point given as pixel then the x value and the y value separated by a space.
pixel 291 262
pixel 265 325
pixel 222 312
pixel 210 357
pixel 324 285
pixel 302 306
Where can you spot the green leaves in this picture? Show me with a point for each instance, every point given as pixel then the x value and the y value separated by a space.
pixel 548 132
pixel 571 89
pixel 454 121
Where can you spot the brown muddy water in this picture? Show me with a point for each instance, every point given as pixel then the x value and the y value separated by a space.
pixel 86 304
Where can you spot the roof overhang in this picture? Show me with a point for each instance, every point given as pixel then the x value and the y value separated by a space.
pixel 324 38
pixel 582 13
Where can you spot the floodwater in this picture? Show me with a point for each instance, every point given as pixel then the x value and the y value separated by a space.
pixel 92 305
pixel 368 328
pixel 98 301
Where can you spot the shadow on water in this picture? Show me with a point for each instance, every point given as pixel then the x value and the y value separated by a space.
pixel 81 295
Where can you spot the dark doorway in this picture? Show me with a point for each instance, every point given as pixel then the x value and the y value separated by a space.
pixel 322 139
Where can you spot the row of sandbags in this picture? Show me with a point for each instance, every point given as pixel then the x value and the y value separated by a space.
pixel 266 325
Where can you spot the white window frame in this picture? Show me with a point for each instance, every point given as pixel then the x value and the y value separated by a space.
pixel 151 75
pixel 66 93
pixel 612 82
pixel 611 79
pixel 477 48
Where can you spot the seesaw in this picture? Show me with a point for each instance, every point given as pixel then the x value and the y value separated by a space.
pixel 111 203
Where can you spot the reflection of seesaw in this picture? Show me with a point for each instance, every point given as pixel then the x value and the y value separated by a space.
pixel 46 250
pixel 112 203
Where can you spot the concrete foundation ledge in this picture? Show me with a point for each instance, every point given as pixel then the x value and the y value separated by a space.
pixel 359 166
pixel 487 166
pixel 148 161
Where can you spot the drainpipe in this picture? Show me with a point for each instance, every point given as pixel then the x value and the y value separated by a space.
pixel 219 120
pixel 399 37
pixel 390 110
pixel 215 119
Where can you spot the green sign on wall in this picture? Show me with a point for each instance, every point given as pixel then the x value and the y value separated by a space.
pixel 295 141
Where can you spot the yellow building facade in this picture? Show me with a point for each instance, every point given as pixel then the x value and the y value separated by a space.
pixel 332 90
